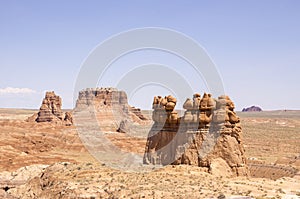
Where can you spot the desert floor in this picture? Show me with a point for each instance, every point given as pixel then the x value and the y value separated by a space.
pixel 271 140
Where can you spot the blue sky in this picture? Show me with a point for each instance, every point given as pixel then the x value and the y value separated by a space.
pixel 254 44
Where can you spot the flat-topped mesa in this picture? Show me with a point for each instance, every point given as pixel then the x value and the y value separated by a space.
pixel 111 109
pixel 252 109
pixel 50 111
pixel 207 135
pixel 99 97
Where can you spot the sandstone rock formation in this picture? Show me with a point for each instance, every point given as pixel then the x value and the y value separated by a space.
pixel 100 97
pixel 110 107
pixel 10 180
pixel 86 181
pixel 50 111
pixel 68 118
pixel 208 130
pixel 252 109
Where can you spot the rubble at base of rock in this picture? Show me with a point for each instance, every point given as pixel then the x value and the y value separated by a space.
pixel 208 130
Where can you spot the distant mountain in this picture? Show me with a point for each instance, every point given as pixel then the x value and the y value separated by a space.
pixel 252 109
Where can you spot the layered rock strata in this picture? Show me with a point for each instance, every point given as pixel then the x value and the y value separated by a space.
pixel 50 111
pixel 208 131
pixel 110 107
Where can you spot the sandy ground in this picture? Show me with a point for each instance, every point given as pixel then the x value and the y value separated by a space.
pixel 270 138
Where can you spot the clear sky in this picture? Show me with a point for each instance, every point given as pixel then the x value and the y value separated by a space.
pixel 254 44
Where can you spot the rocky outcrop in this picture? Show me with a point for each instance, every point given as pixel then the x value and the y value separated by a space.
pixel 110 108
pixel 68 118
pixel 88 180
pixel 208 130
pixel 252 109
pixel 97 98
pixel 50 111
pixel 10 180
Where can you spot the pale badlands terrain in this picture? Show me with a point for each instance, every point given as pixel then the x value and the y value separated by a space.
pixel 45 160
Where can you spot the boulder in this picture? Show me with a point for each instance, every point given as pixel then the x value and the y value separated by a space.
pixel 68 118
pixel 188 104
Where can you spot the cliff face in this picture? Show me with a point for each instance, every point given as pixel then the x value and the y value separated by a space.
pixel 110 107
pixel 101 97
pixel 208 135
